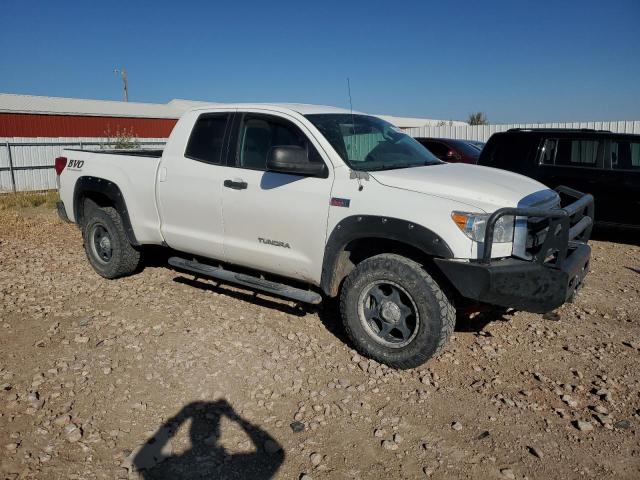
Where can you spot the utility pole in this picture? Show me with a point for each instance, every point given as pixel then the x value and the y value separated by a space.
pixel 125 84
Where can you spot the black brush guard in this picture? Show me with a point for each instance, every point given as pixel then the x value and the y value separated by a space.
pixel 551 277
pixel 567 226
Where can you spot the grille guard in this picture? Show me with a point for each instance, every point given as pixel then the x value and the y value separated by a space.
pixel 568 226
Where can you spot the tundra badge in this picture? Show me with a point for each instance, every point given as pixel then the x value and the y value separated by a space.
pixel 275 243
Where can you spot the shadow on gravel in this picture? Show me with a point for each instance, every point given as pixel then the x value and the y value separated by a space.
pixel 205 458
pixel 253 297
pixel 329 314
pixel 477 322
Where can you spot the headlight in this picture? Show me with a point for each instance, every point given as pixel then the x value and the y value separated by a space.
pixel 473 225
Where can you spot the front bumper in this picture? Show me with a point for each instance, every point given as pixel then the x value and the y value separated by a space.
pixel 520 284
pixel 555 271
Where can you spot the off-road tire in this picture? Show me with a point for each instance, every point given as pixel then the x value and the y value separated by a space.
pixel 125 259
pixel 437 315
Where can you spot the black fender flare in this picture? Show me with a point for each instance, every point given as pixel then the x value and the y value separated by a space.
pixel 372 226
pixel 87 185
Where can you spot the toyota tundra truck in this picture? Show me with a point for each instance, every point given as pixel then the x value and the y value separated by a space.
pixel 312 202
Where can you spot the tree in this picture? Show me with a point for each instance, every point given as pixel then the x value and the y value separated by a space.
pixel 120 140
pixel 478 118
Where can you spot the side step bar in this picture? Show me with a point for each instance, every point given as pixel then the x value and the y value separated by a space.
pixel 255 283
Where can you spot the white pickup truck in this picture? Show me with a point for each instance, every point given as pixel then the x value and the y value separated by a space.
pixel 305 201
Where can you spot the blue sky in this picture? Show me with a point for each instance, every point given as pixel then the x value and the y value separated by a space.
pixel 518 61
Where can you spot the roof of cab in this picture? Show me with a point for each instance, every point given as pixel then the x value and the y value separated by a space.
pixel 301 108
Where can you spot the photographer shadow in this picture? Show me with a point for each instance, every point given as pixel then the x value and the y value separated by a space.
pixel 206 458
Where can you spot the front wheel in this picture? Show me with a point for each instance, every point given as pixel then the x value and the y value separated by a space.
pixel 394 312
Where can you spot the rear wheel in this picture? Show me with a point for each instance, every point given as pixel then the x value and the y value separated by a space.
pixel 394 312
pixel 106 244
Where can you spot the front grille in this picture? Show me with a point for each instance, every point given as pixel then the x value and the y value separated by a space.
pixel 537 231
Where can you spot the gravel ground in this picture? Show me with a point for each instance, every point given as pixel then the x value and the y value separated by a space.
pixel 160 376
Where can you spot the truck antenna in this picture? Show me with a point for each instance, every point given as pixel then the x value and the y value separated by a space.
pixel 353 126
pixel 353 119
pixel 349 91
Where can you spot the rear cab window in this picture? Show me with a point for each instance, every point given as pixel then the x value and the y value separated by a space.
pixel 206 142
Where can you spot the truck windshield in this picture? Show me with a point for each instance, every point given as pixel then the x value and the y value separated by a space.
pixel 369 143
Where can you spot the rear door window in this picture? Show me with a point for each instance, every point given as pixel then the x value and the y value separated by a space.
pixel 573 153
pixel 625 155
pixel 206 142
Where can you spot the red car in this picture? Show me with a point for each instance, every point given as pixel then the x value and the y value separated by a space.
pixel 451 150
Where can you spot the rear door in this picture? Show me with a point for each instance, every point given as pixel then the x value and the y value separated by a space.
pixel 190 188
pixel 581 163
pixel 273 221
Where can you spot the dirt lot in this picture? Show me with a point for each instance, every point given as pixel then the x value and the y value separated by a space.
pixel 98 377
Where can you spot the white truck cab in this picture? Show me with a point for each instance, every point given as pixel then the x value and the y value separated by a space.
pixel 325 201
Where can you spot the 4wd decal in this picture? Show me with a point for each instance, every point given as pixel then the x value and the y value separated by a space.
pixel 275 243
pixel 75 164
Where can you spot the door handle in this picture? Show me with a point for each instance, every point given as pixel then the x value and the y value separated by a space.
pixel 235 184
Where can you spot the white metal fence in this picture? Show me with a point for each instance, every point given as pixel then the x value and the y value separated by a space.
pixel 27 163
pixel 483 132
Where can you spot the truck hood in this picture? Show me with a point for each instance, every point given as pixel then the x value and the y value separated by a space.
pixel 482 187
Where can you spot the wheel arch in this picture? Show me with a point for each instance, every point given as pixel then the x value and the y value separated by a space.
pixel 104 193
pixel 359 237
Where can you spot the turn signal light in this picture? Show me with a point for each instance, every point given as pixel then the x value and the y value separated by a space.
pixel 460 219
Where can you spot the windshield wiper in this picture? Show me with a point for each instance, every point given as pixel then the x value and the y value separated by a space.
pixel 396 166
pixel 388 166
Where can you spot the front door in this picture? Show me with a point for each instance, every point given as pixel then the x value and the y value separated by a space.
pixel 273 221
pixel 190 188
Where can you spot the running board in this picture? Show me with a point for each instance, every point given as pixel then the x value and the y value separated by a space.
pixel 255 283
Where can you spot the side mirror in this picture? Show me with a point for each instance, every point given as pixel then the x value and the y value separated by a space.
pixel 292 160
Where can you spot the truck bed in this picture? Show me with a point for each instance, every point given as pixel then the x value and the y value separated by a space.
pixel 132 171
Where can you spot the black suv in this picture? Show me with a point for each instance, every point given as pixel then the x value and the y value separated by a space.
pixel 604 164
